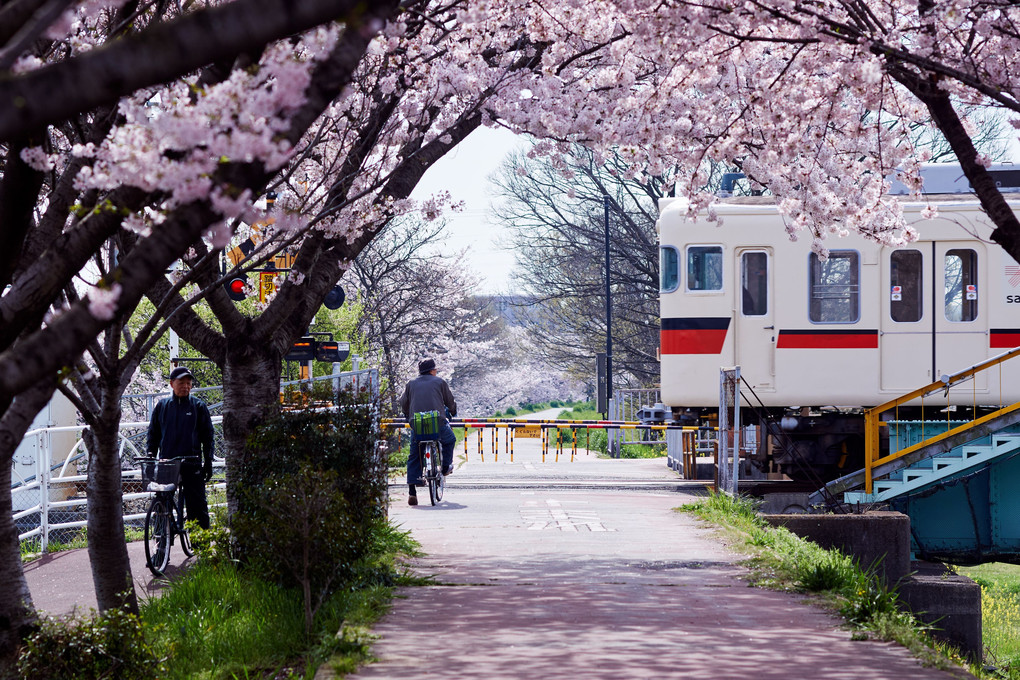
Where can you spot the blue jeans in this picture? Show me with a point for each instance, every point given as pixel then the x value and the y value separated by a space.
pixel 447 441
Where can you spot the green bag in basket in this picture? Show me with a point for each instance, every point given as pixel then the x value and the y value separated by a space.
pixel 425 423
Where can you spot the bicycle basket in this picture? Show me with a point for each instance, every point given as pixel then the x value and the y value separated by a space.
pixel 425 424
pixel 160 471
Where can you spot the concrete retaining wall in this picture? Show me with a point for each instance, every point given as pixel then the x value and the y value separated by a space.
pixel 950 603
pixel 877 539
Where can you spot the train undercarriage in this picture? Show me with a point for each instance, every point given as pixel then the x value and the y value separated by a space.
pixel 816 444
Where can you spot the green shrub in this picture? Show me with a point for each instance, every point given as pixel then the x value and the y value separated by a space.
pixel 212 545
pixel 108 645
pixel 511 412
pixel 310 492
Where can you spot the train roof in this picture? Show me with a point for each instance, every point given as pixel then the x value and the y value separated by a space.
pixel 944 183
pixel 746 204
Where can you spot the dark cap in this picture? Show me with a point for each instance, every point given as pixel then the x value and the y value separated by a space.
pixel 426 366
pixel 180 372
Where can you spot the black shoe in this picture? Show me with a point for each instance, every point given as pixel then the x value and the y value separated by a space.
pixel 447 471
pixel 412 500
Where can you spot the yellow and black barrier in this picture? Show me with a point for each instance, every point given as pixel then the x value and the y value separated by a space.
pixel 540 429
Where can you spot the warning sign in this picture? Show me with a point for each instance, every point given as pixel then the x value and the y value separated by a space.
pixel 267 284
pixel 528 431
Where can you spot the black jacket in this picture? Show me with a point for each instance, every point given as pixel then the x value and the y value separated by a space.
pixel 181 427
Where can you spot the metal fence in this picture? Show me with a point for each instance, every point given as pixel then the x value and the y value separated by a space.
pixel 625 405
pixel 49 493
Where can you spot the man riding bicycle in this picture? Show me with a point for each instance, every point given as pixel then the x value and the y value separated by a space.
pixel 428 392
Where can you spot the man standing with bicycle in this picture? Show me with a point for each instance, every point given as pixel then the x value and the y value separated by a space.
pixel 428 392
pixel 181 427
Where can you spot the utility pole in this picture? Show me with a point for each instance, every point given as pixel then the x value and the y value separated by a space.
pixel 609 315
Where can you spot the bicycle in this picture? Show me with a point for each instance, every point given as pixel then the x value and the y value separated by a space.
pixel 425 425
pixel 164 519
pixel 432 468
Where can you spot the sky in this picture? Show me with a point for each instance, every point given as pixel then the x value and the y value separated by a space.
pixel 465 172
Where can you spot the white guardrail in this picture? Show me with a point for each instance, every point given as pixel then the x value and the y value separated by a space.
pixel 48 485
pixel 50 498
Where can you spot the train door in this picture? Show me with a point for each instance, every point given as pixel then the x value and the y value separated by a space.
pixel 931 313
pixel 906 342
pixel 961 338
pixel 755 346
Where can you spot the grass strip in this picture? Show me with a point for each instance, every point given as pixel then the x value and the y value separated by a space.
pixel 219 621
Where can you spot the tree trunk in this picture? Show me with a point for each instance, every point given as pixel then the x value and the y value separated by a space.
pixel 947 120
pixel 108 555
pixel 391 373
pixel 251 390
pixel 17 614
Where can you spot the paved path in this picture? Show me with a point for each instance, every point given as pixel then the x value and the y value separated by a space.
pixel 549 581
pixel 61 582
pixel 570 570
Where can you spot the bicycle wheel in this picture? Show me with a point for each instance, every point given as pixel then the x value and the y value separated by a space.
pixel 157 536
pixel 179 520
pixel 434 474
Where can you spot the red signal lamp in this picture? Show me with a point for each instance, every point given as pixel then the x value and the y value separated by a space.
pixel 235 288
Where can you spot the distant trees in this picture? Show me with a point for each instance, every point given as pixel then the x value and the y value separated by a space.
pixel 554 213
pixel 417 299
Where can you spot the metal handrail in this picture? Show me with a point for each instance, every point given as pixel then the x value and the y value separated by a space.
pixel 872 421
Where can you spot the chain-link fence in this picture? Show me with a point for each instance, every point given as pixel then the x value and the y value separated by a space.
pixel 50 466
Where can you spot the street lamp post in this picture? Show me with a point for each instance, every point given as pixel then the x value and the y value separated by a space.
pixel 609 315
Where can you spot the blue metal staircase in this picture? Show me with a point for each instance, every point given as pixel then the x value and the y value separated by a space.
pixel 930 471
pixel 957 480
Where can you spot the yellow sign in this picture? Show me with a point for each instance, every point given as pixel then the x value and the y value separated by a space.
pixel 528 432
pixel 267 284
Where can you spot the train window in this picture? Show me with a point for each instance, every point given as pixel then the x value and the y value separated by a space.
pixel 669 269
pixel 835 287
pixel 754 280
pixel 961 284
pixel 704 268
pixel 905 296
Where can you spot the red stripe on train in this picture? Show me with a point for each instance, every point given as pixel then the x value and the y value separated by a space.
pixel 1004 340
pixel 827 341
pixel 692 341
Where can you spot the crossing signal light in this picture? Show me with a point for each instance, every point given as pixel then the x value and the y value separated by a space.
pixel 235 288
pixel 302 350
pixel 334 298
pixel 332 351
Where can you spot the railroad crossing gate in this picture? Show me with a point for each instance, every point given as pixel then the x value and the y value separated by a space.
pixel 529 432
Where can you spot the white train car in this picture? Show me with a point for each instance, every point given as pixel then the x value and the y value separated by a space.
pixel 819 340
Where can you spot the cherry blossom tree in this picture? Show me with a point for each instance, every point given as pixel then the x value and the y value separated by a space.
pixel 166 128
pixel 77 77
